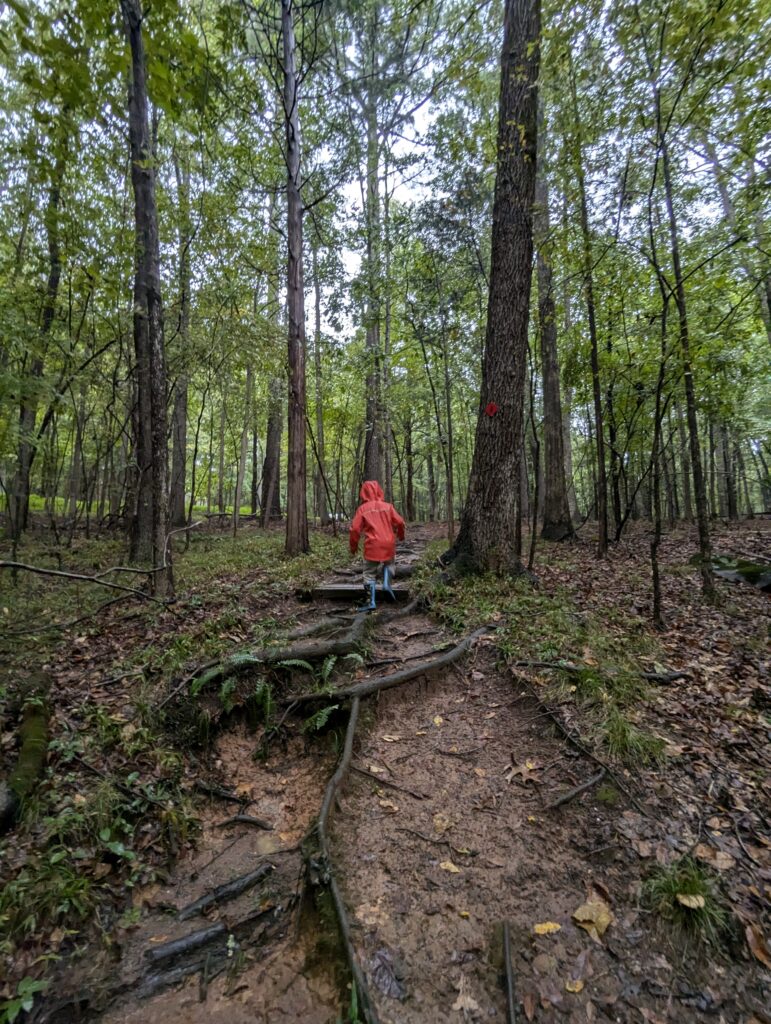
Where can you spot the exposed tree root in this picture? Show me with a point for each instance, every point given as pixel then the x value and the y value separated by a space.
pixel 567 666
pixel 511 1013
pixel 370 686
pixel 187 944
pixel 328 872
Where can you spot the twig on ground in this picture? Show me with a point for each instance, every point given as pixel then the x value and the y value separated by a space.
pixel 220 793
pixel 390 785
pixel 511 1015
pixel 225 892
pixel 576 791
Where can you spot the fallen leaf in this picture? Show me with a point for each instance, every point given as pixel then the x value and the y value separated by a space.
pixel 717 858
pixel 547 928
pixel 376 769
pixel 574 986
pixel 756 940
pixel 447 865
pixel 438 720
pixel 529 1004
pixel 388 974
pixel 480 772
pixel 594 916
pixel 441 822
pixel 391 739
pixel 388 805
pixel 421 732
pixel 464 914
pixel 465 1002
pixel 490 714
pixel 525 771
pixel 692 902
pixel 244 789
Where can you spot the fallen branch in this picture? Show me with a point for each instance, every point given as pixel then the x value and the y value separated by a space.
pixel 511 1015
pixel 576 791
pixel 389 785
pixel 370 686
pixel 225 892
pixel 15 566
pixel 187 944
pixel 33 736
pixel 220 793
pixel 334 784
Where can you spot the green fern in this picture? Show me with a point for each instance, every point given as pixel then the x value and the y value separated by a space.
pixel 227 699
pixel 355 658
pixel 297 663
pixel 317 722
pixel 326 668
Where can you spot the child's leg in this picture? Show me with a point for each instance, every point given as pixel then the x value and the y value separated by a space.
pixel 371 570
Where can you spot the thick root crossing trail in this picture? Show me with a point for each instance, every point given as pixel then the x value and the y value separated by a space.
pixel 462 822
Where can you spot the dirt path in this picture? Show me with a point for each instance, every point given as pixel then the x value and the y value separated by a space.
pixel 443 832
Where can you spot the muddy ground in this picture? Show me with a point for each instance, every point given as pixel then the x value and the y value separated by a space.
pixel 446 828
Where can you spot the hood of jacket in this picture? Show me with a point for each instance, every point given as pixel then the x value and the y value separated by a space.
pixel 371 491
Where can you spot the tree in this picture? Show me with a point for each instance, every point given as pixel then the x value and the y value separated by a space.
pixel 486 539
pixel 148 524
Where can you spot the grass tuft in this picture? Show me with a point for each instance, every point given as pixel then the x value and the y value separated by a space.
pixel 685 894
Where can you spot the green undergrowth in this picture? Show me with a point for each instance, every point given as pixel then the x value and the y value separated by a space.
pixel 604 649
pixel 688 896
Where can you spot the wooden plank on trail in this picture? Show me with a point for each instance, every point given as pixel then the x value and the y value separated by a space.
pixel 350 592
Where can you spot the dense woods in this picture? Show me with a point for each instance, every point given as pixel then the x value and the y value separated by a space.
pixel 335 164
pixel 512 260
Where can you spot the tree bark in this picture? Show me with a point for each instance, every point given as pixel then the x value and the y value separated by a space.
pixel 318 484
pixel 486 539
pixel 296 509
pixel 702 520
pixel 557 524
pixel 177 510
pixel 148 320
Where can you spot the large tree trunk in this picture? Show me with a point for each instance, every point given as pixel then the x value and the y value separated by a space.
pixel 243 450
pixel 556 513
pixel 177 510
pixel 296 508
pixel 148 319
pixel 486 539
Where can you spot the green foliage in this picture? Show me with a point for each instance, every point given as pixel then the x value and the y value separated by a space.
pixel 687 895
pixel 627 743
pixel 22 1002
pixel 317 721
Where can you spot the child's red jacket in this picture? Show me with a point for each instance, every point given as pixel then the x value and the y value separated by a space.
pixel 376 519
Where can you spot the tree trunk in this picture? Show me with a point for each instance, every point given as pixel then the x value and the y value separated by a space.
pixel 685 465
pixel 177 511
pixel 486 539
pixel 221 464
pixel 18 507
pixel 556 513
pixel 318 478
pixel 148 318
pixel 588 271
pixel 409 502
pixel 241 476
pixel 372 427
pixel 296 509
pixel 705 549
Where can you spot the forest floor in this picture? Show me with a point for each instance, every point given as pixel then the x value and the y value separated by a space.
pixel 642 897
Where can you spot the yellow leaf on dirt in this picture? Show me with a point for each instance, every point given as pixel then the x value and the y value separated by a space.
pixel 441 822
pixel 376 769
pixel 464 914
pixel 547 928
pixel 574 986
pixel 438 720
pixel 594 916
pixel 694 902
pixel 391 739
pixel 447 865
pixel 480 772
pixel 244 789
pixel 421 732
pixel 532 818
pixel 388 805
pixel 756 940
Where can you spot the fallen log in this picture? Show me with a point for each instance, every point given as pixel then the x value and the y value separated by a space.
pixel 33 737
pixel 223 893
pixel 187 944
pixel 246 819
pixel 370 686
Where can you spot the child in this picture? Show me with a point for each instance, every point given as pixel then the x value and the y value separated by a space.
pixel 377 519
